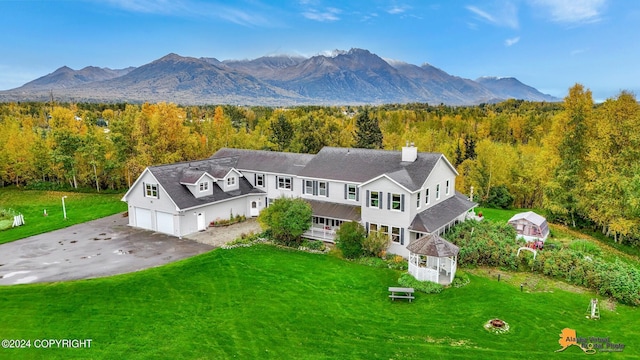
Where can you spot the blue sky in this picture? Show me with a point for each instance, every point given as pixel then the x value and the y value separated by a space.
pixel 548 44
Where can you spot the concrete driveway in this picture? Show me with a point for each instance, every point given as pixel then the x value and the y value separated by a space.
pixel 98 248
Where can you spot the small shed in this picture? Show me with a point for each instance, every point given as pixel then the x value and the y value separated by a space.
pixel 433 258
pixel 530 226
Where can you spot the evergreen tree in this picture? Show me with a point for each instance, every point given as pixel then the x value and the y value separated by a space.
pixel 368 134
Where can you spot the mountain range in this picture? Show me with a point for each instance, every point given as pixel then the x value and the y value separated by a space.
pixel 351 77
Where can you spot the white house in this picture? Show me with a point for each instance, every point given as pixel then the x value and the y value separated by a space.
pixel 403 194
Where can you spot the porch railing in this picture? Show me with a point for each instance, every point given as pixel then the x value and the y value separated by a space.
pixel 325 233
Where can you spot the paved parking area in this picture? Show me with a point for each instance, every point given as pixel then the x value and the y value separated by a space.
pixel 98 248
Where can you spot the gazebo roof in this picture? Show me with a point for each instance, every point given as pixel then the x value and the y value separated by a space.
pixel 433 245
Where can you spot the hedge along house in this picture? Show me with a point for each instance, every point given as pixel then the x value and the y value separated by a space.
pixel 530 226
pixel 402 194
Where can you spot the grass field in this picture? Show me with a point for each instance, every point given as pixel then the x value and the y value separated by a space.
pixel 265 302
pixel 81 207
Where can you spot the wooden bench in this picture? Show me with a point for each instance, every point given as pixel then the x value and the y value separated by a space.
pixel 401 293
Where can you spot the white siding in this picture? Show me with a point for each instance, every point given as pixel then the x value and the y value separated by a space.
pixel 189 218
pixel 385 216
pixel 440 174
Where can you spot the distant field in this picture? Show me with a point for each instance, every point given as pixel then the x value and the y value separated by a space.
pixel 81 207
pixel 265 302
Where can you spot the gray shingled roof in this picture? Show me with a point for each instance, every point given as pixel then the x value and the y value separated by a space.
pixel 335 211
pixel 441 214
pixel 361 165
pixel 433 245
pixel 170 176
pixel 266 161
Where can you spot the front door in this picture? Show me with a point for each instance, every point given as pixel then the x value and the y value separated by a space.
pixel 202 224
pixel 254 211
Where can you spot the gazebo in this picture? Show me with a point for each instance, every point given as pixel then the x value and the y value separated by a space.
pixel 433 258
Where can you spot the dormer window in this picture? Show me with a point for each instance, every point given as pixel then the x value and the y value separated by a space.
pixel 204 186
pixel 231 181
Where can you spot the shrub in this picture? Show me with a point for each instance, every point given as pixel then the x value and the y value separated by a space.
pixel 375 244
pixel 349 238
pixel 428 287
pixel 314 245
pixel 618 280
pixel 585 247
pixel 397 262
pixel 485 244
pixel 499 197
pixel 287 219
pixel 460 280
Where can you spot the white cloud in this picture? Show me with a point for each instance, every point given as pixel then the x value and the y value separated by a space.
pixel 572 11
pixel 398 9
pixel 512 41
pixel 327 15
pixel 503 13
pixel 193 8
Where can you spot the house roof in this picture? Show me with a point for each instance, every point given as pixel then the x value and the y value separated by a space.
pixel 170 178
pixel 529 216
pixel 335 211
pixel 361 165
pixel 433 245
pixel 441 214
pixel 265 161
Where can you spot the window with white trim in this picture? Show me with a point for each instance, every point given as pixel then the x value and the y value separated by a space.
pixel 373 227
pixel 151 190
pixel 374 199
pixel 418 202
pixel 260 180
pixel 395 201
pixel 231 181
pixel 426 197
pixel 384 229
pixel 351 192
pixel 308 187
pixel 446 188
pixel 395 234
pixel 284 182
pixel 437 191
pixel 322 188
pixel 204 186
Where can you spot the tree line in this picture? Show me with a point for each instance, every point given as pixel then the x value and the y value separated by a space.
pixel 578 160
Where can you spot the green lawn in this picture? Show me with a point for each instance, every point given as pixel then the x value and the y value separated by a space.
pixel 81 207
pixel 501 215
pixel 265 302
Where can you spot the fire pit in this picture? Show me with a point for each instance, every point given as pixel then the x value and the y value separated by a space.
pixel 497 323
pixel 497 326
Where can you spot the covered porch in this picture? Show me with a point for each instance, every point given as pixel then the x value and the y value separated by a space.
pixel 327 218
pixel 433 258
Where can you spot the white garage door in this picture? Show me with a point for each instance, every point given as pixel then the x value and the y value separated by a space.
pixel 143 218
pixel 164 222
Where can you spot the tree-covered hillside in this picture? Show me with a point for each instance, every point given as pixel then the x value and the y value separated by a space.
pixel 577 160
